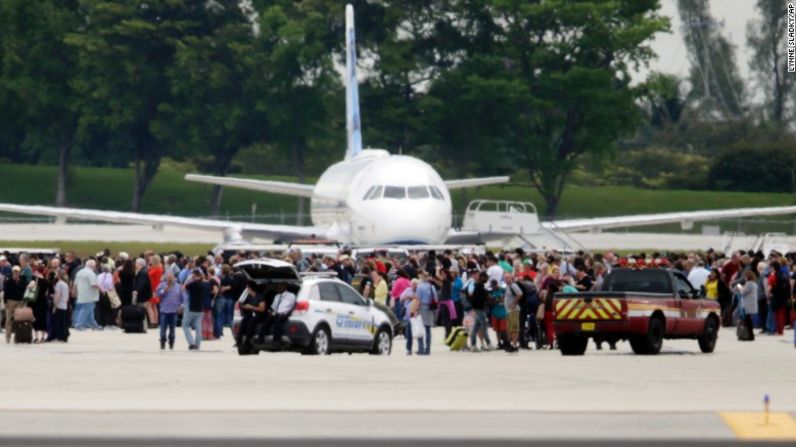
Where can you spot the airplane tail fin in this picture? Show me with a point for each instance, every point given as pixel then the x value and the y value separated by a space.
pixel 353 127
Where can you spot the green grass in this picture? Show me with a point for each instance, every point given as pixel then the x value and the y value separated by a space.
pixel 87 248
pixel 111 189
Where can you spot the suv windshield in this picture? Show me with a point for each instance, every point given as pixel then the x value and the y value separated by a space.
pixel 646 281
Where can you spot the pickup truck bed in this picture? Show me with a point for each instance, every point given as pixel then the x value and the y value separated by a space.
pixel 642 317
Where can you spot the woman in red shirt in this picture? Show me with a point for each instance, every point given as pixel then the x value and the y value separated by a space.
pixel 155 274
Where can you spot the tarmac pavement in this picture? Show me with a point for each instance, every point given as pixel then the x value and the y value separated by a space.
pixel 113 386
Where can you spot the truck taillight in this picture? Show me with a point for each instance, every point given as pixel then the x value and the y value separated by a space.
pixel 301 307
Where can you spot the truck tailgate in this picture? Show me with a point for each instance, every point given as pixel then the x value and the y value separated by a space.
pixel 589 307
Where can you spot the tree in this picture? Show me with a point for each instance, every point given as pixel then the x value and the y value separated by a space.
pixel 765 37
pixel 214 81
pixel 38 70
pixel 574 59
pixel 714 74
pixel 126 52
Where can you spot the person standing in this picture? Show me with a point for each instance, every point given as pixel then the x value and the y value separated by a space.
pixel 512 298
pixel 107 311
pixel 198 292
pixel 427 295
pixel 60 305
pixel 170 294
pixel 13 292
pixel 749 300
pixel 779 283
pixel 380 289
pixel 478 299
pixel 155 273
pixel 87 294
pixel 411 306
pixel 126 280
pixel 142 289
pixel 456 294
pixel 40 306
pixel 400 284
pixel 208 304
pixel 223 300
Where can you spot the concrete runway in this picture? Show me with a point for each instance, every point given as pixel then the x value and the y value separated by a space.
pixel 142 233
pixel 114 386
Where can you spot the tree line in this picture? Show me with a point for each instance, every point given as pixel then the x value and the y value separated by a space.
pixel 540 88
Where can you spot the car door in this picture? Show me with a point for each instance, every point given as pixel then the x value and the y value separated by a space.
pixel 689 306
pixel 359 321
pixel 333 311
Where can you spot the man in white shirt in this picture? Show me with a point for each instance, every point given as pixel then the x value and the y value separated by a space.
pixel 283 305
pixel 87 293
pixel 698 275
pixel 494 272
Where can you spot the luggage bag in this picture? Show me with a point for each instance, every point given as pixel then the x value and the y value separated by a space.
pixel 133 318
pixel 457 339
pixel 23 332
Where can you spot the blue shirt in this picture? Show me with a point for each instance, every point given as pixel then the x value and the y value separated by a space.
pixel 456 289
pixel 426 293
pixel 170 298
pixel 183 276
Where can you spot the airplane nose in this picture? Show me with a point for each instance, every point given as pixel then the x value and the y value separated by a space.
pixel 418 224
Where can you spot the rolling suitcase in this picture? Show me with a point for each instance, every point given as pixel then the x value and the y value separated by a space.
pixel 23 332
pixel 457 339
pixel 133 318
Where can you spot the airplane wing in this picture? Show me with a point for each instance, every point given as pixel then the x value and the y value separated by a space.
pixel 685 218
pixel 231 230
pixel 287 188
pixel 470 182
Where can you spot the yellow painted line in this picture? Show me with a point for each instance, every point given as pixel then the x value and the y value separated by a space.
pixel 752 426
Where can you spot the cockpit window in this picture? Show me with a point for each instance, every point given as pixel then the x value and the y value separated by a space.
pixel 394 192
pixel 418 192
pixel 436 193
pixel 367 194
pixel 374 193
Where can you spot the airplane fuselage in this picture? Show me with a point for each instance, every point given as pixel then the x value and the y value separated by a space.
pixel 376 198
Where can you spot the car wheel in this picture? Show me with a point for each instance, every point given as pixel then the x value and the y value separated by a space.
pixel 651 343
pixel 707 341
pixel 572 344
pixel 382 343
pixel 321 343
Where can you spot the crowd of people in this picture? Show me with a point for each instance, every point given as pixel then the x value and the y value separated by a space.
pixel 504 295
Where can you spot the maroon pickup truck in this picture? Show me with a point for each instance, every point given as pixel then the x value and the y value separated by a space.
pixel 641 306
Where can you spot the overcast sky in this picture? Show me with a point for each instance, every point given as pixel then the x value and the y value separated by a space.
pixel 672 55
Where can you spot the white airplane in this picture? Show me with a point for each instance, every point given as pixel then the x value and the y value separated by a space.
pixel 374 198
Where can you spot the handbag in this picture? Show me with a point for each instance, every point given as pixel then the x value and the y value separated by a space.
pixel 418 328
pixel 433 304
pixel 113 297
pixel 23 314
pixel 31 292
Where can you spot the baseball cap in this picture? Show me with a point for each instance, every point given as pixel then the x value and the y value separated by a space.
pixel 2 258
pixel 15 268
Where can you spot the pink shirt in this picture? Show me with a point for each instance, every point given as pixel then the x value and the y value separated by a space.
pixel 399 286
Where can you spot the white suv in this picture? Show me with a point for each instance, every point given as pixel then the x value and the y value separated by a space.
pixel 329 316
